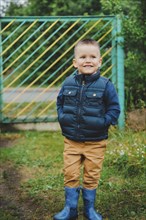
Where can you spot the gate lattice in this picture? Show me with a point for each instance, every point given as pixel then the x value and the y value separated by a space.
pixel 36 55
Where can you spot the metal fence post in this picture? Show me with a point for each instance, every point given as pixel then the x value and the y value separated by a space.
pixel 120 72
pixel 1 77
pixel 114 52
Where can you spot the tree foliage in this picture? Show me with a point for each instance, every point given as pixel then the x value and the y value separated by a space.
pixel 134 17
pixel 133 14
pixel 55 8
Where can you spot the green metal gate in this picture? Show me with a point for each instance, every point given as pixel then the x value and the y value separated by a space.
pixel 36 55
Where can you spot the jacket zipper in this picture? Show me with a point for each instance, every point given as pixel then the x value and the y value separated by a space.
pixel 79 111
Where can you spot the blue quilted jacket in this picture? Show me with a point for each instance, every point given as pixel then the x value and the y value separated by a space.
pixel 87 105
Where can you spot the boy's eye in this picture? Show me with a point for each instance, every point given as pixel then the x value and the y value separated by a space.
pixel 83 57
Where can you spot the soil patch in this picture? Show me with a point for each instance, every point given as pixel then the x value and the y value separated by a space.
pixel 136 119
pixel 8 140
pixel 4 142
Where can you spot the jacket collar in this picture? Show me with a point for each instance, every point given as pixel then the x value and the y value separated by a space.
pixel 86 77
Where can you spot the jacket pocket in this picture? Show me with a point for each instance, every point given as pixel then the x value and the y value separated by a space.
pixel 94 123
pixel 69 96
pixel 94 98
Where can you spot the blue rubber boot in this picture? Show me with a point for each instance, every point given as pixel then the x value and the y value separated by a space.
pixel 89 200
pixel 70 211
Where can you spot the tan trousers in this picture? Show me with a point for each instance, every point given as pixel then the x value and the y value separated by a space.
pixel 90 155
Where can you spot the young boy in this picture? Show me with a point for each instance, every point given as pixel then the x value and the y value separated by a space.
pixel 87 105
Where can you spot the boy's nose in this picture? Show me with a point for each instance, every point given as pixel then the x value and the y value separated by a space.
pixel 88 59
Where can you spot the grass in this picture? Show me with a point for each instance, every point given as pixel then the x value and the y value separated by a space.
pixel 32 176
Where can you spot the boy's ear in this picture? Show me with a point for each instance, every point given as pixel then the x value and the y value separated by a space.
pixel 74 63
pixel 100 62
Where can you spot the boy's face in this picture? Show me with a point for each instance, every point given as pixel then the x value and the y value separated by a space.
pixel 87 58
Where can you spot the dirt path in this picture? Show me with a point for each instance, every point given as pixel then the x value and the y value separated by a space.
pixel 15 204
pixel 13 201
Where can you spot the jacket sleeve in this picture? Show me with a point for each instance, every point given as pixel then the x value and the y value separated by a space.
pixel 112 107
pixel 60 102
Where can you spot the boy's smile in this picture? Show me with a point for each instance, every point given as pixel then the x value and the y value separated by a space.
pixel 87 59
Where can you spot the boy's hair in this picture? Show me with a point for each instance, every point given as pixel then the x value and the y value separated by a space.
pixel 87 42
